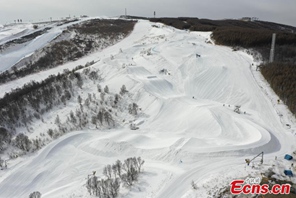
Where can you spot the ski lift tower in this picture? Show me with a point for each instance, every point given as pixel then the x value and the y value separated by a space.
pixel 271 57
pixel 248 161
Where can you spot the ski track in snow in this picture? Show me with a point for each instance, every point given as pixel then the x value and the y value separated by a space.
pixel 206 135
pixel 26 49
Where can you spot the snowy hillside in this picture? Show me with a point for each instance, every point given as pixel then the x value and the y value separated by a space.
pixel 12 56
pixel 187 89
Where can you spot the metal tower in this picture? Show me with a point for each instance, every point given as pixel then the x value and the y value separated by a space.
pixel 271 57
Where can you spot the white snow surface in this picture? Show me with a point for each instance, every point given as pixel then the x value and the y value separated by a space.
pixel 190 117
pixel 11 57
pixel 12 31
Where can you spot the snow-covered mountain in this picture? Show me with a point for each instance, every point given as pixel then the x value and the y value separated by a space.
pixel 16 54
pixel 187 89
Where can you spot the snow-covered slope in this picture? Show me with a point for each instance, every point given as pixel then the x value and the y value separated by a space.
pixel 14 31
pixel 190 132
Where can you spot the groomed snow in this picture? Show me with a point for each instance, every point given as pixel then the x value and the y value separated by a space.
pixel 12 31
pixel 21 51
pixel 190 117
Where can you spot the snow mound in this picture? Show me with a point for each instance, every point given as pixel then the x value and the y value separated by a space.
pixel 188 129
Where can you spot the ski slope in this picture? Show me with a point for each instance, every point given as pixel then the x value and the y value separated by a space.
pixel 11 57
pixel 189 117
pixel 13 31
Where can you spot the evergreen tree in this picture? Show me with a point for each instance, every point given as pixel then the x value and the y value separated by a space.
pixel 106 89
pixel 35 194
pixel 79 99
pixel 99 88
pixel 94 121
pixel 57 121
pixel 22 141
pixel 123 90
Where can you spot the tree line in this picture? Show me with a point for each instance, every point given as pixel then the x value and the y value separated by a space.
pixel 254 35
pixel 248 37
pixel 282 79
pixel 88 37
pixel 259 40
pixel 23 39
pixel 108 186
pixel 24 106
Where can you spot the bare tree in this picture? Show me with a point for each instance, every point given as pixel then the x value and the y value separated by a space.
pixel 109 187
pixel 108 171
pixel 138 163
pixel 131 172
pixel 118 165
pixel 91 184
pixel 114 187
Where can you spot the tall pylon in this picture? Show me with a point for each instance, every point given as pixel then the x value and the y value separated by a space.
pixel 271 57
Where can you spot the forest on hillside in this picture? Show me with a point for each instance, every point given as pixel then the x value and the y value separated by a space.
pixel 255 35
pixel 282 79
pixel 20 108
pixel 75 42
